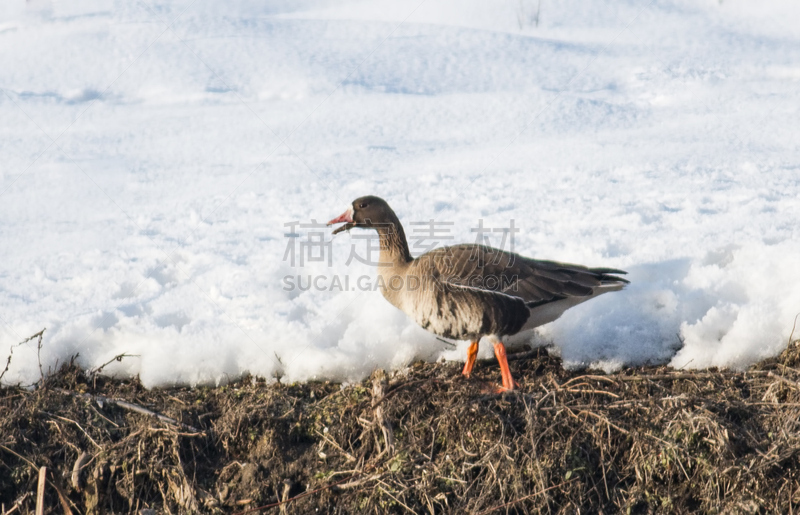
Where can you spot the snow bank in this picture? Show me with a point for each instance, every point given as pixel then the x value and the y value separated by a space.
pixel 658 138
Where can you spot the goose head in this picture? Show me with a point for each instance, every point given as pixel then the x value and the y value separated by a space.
pixel 368 212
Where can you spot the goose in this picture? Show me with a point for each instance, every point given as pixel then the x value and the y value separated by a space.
pixel 471 291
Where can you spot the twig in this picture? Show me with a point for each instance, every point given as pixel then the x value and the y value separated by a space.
pixel 378 385
pixel 693 375
pixel 788 382
pixel 454 480
pixel 398 388
pixel 76 470
pixel 287 487
pixel 472 454
pixel 401 503
pixel 304 494
pixel 118 357
pixel 358 482
pixel 61 496
pixel 785 368
pixel 8 364
pixel 602 392
pixel 23 458
pixel 105 418
pixel 513 394
pixel 23 342
pixel 29 338
pixel 790 334
pixel 515 501
pixel 331 441
pixel 40 490
pixel 593 377
pixel 130 407
pixel 17 504
pixel 604 419
pixel 39 355
pixel 174 432
pixel 76 424
pixel 543 399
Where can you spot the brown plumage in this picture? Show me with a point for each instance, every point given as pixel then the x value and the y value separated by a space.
pixel 465 292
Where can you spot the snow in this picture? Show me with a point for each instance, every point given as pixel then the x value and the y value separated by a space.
pixel 153 152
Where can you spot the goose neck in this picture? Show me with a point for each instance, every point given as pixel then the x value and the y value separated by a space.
pixel 394 246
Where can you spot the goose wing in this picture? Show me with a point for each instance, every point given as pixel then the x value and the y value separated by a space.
pixel 535 282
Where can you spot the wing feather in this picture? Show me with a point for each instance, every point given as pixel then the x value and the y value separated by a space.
pixel 534 281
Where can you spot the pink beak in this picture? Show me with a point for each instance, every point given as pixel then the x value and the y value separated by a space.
pixel 346 217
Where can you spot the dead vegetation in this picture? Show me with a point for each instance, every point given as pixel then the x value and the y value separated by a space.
pixel 646 440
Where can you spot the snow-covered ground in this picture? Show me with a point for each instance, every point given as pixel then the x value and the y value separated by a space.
pixel 151 154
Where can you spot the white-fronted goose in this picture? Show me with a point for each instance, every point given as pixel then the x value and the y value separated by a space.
pixel 465 292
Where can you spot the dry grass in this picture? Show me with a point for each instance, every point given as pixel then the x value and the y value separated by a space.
pixel 646 440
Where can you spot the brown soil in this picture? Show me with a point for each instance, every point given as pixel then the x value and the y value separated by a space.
pixel 645 440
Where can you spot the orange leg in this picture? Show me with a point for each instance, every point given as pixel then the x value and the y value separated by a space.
pixel 500 353
pixel 472 354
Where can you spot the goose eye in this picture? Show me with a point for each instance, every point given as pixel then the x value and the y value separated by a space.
pixel 363 205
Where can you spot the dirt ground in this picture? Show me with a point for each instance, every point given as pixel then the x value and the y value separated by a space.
pixel 425 440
